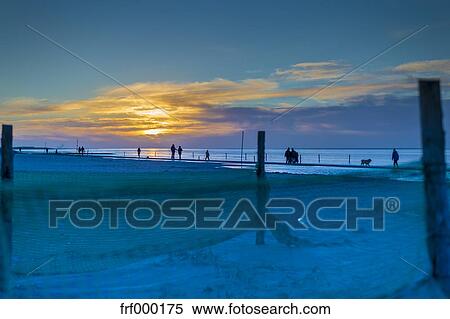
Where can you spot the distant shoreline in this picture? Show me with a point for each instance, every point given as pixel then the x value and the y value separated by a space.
pixel 226 162
pixel 219 148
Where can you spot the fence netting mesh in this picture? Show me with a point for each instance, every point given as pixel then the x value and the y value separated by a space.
pixel 323 263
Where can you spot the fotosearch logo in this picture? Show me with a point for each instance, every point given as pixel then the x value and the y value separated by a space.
pixel 212 213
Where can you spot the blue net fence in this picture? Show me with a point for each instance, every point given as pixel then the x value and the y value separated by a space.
pixel 122 261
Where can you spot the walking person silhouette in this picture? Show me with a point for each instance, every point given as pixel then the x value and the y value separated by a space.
pixel 294 156
pixel 395 157
pixel 180 150
pixel 172 150
pixel 287 154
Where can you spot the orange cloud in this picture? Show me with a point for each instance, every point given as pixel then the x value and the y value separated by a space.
pixel 116 112
pixel 310 71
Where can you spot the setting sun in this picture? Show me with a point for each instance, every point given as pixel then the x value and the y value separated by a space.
pixel 153 131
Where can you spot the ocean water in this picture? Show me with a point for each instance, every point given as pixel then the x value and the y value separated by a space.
pixel 380 157
pixel 342 156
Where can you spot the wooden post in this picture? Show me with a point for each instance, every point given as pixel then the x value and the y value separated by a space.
pixel 260 166
pixel 318 157
pixel 348 159
pixel 5 236
pixel 434 169
pixel 262 187
pixel 7 152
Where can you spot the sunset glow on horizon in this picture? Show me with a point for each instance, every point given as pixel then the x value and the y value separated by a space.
pixel 206 86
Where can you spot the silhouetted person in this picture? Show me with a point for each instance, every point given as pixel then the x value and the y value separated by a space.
pixel 291 156
pixel 139 152
pixel 287 155
pixel 82 150
pixel 395 157
pixel 294 156
pixel 46 150
pixel 172 151
pixel 79 149
pixel 207 155
pixel 180 150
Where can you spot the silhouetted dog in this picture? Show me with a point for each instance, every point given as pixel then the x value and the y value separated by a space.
pixel 366 162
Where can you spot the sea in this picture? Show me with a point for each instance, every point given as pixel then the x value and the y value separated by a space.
pixel 341 156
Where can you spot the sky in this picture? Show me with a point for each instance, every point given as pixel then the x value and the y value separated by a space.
pixel 197 73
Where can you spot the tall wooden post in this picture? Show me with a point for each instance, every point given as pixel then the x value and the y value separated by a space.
pixel 262 191
pixel 5 237
pixel 260 166
pixel 5 207
pixel 7 152
pixel 434 169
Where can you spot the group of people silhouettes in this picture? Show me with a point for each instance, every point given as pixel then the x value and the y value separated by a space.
pixel 291 156
pixel 80 150
pixel 173 149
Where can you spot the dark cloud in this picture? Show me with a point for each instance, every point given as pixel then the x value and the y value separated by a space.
pixel 370 121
